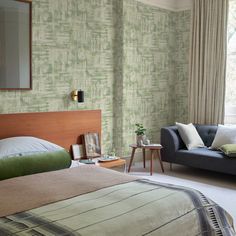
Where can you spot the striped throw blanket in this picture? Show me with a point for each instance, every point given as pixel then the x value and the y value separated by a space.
pixel 139 207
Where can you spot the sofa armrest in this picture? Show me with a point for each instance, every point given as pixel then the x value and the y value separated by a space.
pixel 171 142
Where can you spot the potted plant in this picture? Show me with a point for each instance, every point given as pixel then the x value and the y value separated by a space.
pixel 140 132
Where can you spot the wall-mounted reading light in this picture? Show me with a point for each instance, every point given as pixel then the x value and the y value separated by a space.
pixel 77 95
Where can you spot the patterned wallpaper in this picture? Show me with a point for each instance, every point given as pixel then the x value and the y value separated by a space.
pixel 72 48
pixel 128 57
pixel 155 65
pixel 181 60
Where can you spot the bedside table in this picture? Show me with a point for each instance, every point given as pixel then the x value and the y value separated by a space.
pixel 107 164
pixel 111 164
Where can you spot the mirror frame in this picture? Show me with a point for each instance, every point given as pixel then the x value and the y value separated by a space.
pixel 30 46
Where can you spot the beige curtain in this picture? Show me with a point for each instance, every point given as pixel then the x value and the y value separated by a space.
pixel 208 61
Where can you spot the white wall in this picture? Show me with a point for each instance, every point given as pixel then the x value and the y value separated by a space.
pixel 174 5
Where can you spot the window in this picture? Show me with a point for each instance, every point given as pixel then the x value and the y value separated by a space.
pixel 230 106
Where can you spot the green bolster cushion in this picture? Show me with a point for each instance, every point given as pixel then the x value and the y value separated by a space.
pixel 32 164
pixel 229 150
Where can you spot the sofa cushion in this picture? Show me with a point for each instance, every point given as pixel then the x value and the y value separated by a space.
pixel 190 136
pixel 224 135
pixel 229 150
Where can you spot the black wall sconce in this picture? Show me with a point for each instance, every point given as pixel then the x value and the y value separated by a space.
pixel 77 95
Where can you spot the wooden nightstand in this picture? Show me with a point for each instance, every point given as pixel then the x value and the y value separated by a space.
pixel 111 164
pixel 108 164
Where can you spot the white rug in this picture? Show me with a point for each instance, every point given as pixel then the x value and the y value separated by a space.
pixel 221 188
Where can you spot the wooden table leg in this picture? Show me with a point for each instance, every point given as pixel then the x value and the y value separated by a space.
pixel 144 159
pixel 152 153
pixel 159 157
pixel 131 159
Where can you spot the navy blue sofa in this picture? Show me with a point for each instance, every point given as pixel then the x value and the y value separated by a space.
pixel 175 151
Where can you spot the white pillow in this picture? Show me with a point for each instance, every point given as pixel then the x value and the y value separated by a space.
pixel 23 146
pixel 224 135
pixel 189 135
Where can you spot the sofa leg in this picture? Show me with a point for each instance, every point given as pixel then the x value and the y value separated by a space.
pixel 171 166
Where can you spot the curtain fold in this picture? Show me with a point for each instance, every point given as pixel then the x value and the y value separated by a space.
pixel 208 61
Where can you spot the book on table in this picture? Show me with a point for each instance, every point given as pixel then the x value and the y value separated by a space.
pixel 153 145
pixel 87 161
pixel 107 158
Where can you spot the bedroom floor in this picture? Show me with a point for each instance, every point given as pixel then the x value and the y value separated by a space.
pixel 221 188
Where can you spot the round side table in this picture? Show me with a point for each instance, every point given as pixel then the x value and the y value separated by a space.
pixel 155 148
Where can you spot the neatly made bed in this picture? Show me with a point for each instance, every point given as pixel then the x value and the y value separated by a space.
pixel 90 200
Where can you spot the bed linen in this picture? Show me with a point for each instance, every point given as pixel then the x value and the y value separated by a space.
pixel 15 166
pixel 90 200
pixel 25 145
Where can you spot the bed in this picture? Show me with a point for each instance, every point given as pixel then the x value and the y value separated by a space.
pixel 90 200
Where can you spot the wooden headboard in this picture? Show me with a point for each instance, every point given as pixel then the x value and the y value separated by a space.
pixel 62 128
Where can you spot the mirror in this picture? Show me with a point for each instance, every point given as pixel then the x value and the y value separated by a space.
pixel 15 44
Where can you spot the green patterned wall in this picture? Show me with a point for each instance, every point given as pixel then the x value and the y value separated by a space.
pixel 122 53
pixel 118 97
pixel 181 60
pixel 72 48
pixel 155 65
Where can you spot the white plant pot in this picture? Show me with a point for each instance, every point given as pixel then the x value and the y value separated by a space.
pixel 140 140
